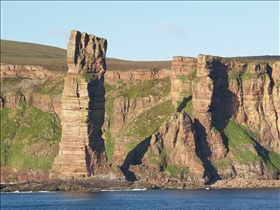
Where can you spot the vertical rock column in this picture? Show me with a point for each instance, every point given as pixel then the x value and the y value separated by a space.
pixel 82 150
pixel 210 142
pixel 181 68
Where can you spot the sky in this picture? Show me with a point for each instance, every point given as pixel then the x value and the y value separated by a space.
pixel 149 30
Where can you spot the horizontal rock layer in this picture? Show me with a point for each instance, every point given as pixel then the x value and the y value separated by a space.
pixel 81 151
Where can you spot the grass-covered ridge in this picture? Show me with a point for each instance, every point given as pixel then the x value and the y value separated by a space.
pixel 262 58
pixel 29 138
pixel 53 58
pixel 22 53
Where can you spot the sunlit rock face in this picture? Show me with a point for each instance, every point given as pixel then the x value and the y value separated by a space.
pixel 82 151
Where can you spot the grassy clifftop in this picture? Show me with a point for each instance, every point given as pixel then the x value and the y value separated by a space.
pixel 53 58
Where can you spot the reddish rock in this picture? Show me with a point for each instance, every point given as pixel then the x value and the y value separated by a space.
pixel 112 77
pixel 35 175
pixel 28 71
pixel 82 151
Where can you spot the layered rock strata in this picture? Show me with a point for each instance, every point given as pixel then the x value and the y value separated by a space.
pixel 181 69
pixel 82 150
pixel 139 75
pixel 28 71
pixel 210 96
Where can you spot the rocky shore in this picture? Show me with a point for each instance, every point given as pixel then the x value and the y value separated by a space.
pixel 94 185
pixel 240 183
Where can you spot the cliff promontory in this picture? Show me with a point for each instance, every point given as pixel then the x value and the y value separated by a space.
pixel 218 119
pixel 200 121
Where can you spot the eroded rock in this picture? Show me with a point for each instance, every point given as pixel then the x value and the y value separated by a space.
pixel 82 151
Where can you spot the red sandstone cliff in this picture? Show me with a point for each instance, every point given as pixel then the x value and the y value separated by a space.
pixel 208 95
pixel 81 151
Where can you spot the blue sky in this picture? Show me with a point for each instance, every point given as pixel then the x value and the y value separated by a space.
pixel 149 30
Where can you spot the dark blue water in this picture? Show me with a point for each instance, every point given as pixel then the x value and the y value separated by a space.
pixel 150 199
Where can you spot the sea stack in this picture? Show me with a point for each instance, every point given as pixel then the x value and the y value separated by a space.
pixel 82 150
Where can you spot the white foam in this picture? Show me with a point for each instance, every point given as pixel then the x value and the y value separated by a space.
pixel 21 191
pixel 30 192
pixel 140 189
pixel 46 191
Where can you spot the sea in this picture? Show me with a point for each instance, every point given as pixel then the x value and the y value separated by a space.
pixel 237 199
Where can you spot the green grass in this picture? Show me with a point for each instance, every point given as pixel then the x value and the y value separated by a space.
pixel 241 144
pixel 154 87
pixel 247 157
pixel 158 160
pixel 29 138
pixel 109 146
pixel 273 161
pixel 182 77
pixel 233 75
pixel 176 171
pixel 247 76
pixel 109 87
pixel 189 108
pixel 197 160
pixel 245 150
pixel 222 163
pixel 11 81
pixel 51 87
pixel 147 122
pixel 250 132
pixel 89 77
pixel 192 76
pixel 237 136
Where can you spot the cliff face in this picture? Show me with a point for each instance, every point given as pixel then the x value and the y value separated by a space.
pixel 29 71
pixel 227 93
pixel 242 92
pixel 204 119
pixel 225 123
pixel 35 84
pixel 81 151
pixel 139 75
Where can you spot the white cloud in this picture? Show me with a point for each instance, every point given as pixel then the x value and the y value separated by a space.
pixel 172 28
pixel 56 31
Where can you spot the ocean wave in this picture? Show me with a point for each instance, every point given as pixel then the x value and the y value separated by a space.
pixel 30 192
pixel 140 189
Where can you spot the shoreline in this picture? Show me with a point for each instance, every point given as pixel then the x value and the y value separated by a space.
pixel 98 185
pixel 240 183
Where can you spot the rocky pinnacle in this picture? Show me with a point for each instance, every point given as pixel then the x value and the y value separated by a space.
pixel 82 151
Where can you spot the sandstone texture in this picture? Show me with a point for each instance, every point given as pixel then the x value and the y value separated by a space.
pixel 204 120
pixel 240 183
pixel 15 177
pixel 82 151
pixel 225 124
pixel 112 77
pixel 29 71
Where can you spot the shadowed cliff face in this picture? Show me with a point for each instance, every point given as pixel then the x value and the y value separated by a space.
pixel 207 118
pixel 226 124
pixel 82 151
